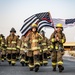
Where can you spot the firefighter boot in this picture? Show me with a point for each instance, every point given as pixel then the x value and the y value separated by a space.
pixel 45 60
pixel 26 60
pixel 36 68
pixel 31 66
pixel 13 62
pixel 9 58
pixel 22 61
pixel 61 68
pixel 36 62
pixel 2 58
pixel 5 57
pixel 54 67
pixel 41 60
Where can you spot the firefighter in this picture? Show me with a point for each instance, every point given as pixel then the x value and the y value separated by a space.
pixel 11 42
pixel 3 55
pixel 1 40
pixel 44 48
pixel 23 51
pixel 49 52
pixel 57 39
pixel 34 38
pixel 18 48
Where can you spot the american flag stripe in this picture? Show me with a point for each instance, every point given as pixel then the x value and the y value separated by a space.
pixel 41 22
pixel 23 33
pixel 44 24
pixel 34 20
pixel 27 24
pixel 27 21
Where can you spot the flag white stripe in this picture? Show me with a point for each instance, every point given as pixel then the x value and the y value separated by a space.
pixel 26 22
pixel 43 25
pixel 29 19
pixel 26 31
pixel 43 22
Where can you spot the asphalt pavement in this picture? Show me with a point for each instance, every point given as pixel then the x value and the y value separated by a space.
pixel 69 65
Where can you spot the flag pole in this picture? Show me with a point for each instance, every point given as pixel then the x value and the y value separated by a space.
pixel 51 20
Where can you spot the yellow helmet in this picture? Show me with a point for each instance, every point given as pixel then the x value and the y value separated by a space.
pixel 34 25
pixel 59 25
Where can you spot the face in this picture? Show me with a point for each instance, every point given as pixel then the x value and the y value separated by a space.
pixel 12 33
pixel 58 29
pixel 34 29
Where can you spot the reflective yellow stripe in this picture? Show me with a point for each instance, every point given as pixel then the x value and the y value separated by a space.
pixel 2 59
pixel 62 40
pixel 9 48
pixel 2 42
pixel 13 62
pixel 40 39
pixel 52 40
pixel 45 61
pixel 49 57
pixel 40 50
pixel 13 41
pixel 54 63
pixel 34 40
pixel 48 46
pixel 45 49
pixel 8 60
pixel 43 43
pixel 25 44
pixel 60 63
pixel 31 66
pixel 37 63
pixel 22 49
pixel 35 48
pixel 56 47
pixel 5 45
pixel 13 48
pixel 18 47
pixel 0 38
pixel 22 60
pixel 51 46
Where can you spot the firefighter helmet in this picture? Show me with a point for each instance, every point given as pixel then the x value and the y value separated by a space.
pixel 59 25
pixel 42 32
pixel 13 30
pixel 34 25
pixel 18 36
pixel 2 35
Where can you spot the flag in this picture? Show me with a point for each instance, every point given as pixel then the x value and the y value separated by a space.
pixel 41 19
pixel 69 21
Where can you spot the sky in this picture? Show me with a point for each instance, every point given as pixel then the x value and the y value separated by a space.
pixel 14 12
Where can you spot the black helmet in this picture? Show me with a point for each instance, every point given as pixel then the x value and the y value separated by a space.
pixel 18 36
pixel 13 30
pixel 42 32
pixel 2 35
